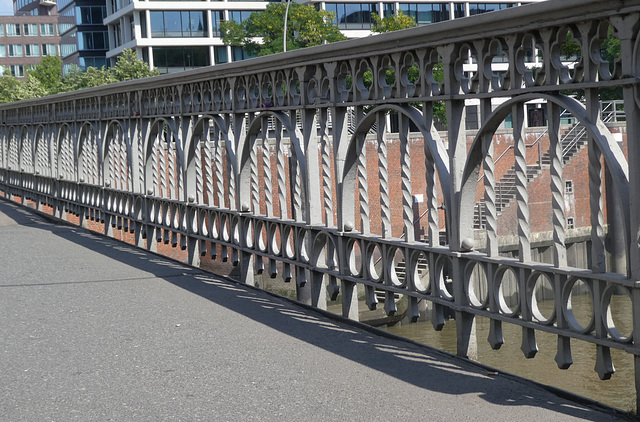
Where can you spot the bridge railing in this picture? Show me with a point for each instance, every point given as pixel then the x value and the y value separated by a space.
pixel 238 161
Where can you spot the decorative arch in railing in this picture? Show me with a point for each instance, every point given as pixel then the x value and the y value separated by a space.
pixel 89 155
pixel 26 151
pixel 42 161
pixel 283 191
pixel 603 148
pixel 211 167
pixel 164 177
pixel 65 153
pixel 13 149
pixel 116 157
pixel 358 176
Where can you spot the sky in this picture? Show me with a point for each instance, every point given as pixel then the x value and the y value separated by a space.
pixel 6 7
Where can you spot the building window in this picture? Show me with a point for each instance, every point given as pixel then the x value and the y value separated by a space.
pixel 67 49
pixel 389 9
pixel 143 25
pixel 64 27
pixel 239 15
pixel 570 223
pixel 174 59
pixel 90 15
pixel 93 41
pixel 66 21
pixel 217 16
pixel 132 29
pixel 3 51
pixel 46 29
pixel 477 8
pixel 15 50
pixel 31 50
pixel 568 187
pixel 353 15
pixel 424 13
pixel 178 24
pixel 238 53
pixel 49 50
pixel 117 32
pixel 17 70
pixel 13 30
pixel 458 10
pixel 221 55
pixel 62 4
pixel 30 29
pixel 96 62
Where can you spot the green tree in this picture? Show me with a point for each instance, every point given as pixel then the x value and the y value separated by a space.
pixel 46 78
pixel 396 23
pixel 610 51
pixel 306 27
pixel 129 67
pixel 77 78
pixel 31 87
pixel 389 24
pixel 392 22
pixel 8 88
pixel 48 73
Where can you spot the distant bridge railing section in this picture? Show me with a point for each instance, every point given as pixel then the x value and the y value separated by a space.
pixel 196 160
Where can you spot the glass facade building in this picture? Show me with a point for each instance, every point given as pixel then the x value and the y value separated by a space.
pixel 84 38
pixel 34 7
pixel 175 35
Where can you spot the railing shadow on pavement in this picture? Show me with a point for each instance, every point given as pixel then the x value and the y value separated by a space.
pixel 419 365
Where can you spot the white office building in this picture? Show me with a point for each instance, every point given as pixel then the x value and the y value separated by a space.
pixel 179 35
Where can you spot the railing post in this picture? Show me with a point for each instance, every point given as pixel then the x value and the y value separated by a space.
pixel 345 215
pixel 315 287
pixel 459 227
pixel 83 209
pixel 628 35
pixel 148 208
pixel 107 198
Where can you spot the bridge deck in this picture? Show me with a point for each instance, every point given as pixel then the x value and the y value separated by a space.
pixel 93 329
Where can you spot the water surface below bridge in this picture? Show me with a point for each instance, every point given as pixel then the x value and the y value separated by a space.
pixel 580 378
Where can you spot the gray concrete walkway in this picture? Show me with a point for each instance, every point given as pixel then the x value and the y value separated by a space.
pixel 94 330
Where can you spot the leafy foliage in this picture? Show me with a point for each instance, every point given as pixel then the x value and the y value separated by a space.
pixel 48 73
pixel 46 78
pixel 262 33
pixel 610 50
pixel 129 67
pixel 395 23
pixel 8 89
pixel 392 22
pixel 77 78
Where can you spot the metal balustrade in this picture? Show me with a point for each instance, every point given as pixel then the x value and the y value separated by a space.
pixel 196 160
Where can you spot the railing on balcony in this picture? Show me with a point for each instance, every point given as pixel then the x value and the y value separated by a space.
pixel 197 161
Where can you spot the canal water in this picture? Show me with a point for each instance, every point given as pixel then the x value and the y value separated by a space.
pixel 580 378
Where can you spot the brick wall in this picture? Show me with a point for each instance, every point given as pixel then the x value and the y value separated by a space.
pixel 577 204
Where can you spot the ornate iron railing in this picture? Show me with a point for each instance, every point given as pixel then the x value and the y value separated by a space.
pixel 189 159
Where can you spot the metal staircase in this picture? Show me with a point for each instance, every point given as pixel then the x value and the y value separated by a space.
pixel 573 141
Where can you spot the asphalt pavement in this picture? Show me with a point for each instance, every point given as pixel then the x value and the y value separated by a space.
pixel 92 329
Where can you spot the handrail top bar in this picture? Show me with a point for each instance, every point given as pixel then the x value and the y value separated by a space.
pixel 482 26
